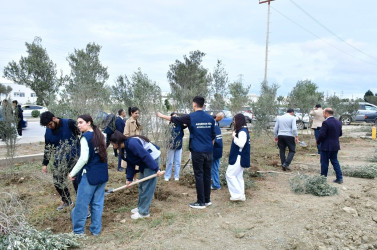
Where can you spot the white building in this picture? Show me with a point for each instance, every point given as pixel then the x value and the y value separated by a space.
pixel 21 93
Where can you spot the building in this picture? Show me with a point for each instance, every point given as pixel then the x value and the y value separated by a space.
pixel 21 93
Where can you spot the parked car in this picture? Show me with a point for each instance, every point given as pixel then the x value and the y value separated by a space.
pixel 364 109
pixel 301 122
pixel 227 121
pixel 29 108
pixel 246 111
pixel 371 118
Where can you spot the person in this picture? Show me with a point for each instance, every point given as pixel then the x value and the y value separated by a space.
pixel 61 137
pixel 328 138
pixel 92 174
pixel 138 150
pixel 285 133
pixel 119 126
pixel 174 150
pixel 217 153
pixel 239 158
pixel 317 114
pixel 18 113
pixel 202 134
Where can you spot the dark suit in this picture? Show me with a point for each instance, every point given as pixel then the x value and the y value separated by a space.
pixel 328 138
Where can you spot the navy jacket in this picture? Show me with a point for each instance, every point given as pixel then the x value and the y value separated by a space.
pixel 120 124
pixel 329 135
pixel 244 153
pixel 218 146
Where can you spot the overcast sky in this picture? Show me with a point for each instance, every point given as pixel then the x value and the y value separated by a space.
pixel 332 43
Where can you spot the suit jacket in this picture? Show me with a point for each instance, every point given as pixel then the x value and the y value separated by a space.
pixel 329 135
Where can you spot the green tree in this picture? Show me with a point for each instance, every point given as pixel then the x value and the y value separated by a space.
pixel 238 96
pixel 370 97
pixel 368 94
pixel 281 100
pixel 36 71
pixel 167 104
pixel 5 89
pixel 122 91
pixel 219 87
pixel 188 79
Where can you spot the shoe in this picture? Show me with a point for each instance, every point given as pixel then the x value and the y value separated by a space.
pixel 176 179
pixel 135 210
pixel 213 188
pixel 120 169
pixel 198 205
pixel 207 204
pixel 19 136
pixel 288 168
pixel 166 179
pixel 136 216
pixel 61 207
pixel 284 167
pixel 338 181
pixel 243 198
pixel 79 235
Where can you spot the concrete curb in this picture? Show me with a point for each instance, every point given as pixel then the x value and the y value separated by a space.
pixel 21 159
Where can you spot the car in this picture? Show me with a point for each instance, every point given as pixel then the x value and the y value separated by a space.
pixel 364 109
pixel 371 118
pixel 246 111
pixel 29 108
pixel 301 122
pixel 227 121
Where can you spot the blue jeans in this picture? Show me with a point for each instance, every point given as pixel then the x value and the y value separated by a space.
pixel 333 157
pixel 93 195
pixel 174 155
pixel 316 134
pixel 146 190
pixel 215 176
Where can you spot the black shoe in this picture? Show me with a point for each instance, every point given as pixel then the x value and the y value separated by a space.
pixel 284 167
pixel 120 169
pixel 116 155
pixel 198 205
pixel 338 181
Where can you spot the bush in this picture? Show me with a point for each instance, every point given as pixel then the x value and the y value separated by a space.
pixel 316 185
pixel 368 172
pixel 35 113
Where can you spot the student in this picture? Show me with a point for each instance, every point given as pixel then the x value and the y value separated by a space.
pixel 138 150
pixel 18 113
pixel 174 150
pixel 92 173
pixel 217 153
pixel 202 135
pixel 61 137
pixel 239 158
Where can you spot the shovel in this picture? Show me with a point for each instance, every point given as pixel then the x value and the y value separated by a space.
pixel 112 190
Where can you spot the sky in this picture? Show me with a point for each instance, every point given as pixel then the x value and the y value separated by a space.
pixel 331 43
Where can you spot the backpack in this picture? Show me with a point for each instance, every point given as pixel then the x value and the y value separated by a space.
pixel 110 124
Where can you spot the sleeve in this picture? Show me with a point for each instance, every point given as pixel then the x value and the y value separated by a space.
pixel 127 128
pixel 138 150
pixel 276 128
pixel 312 112
pixel 181 120
pixel 119 125
pixel 84 157
pixel 294 127
pixel 46 158
pixel 73 127
pixel 213 130
pixel 241 139
pixel 322 133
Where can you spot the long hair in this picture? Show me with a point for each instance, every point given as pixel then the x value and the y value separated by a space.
pixel 240 121
pixel 118 138
pixel 132 110
pixel 98 140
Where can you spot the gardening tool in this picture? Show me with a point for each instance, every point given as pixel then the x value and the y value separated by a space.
pixel 112 190
pixel 186 163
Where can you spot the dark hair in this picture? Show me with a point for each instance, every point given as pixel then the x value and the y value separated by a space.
pixel 318 106
pixel 290 110
pixel 46 118
pixel 15 101
pixel 120 111
pixel 132 110
pixel 119 138
pixel 98 140
pixel 199 101
pixel 240 121
pixel 174 113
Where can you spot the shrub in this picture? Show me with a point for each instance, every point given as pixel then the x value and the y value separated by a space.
pixel 368 172
pixel 316 185
pixel 35 113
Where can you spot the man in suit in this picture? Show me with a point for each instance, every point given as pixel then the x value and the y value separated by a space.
pixel 328 138
pixel 119 125
pixel 318 118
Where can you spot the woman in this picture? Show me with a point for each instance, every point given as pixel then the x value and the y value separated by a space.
pixel 139 151
pixel 132 127
pixel 239 158
pixel 91 170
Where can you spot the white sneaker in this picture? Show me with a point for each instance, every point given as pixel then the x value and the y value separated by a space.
pixel 135 210
pixel 176 179
pixel 166 179
pixel 136 216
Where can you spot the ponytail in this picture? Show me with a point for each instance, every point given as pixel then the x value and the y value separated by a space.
pixel 132 110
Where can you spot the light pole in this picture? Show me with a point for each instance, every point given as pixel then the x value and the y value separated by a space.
pixel 267 36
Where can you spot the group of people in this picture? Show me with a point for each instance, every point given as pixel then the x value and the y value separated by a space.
pixel 14 115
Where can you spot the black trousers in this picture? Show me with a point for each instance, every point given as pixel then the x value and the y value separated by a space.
pixel 285 141
pixel 202 164
pixel 60 173
pixel 19 128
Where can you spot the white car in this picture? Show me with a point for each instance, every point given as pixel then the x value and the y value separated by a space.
pixel 29 108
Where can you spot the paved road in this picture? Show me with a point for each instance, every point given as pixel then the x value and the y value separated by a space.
pixel 33 133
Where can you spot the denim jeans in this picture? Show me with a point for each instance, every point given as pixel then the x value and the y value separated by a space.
pixel 93 195
pixel 202 164
pixel 333 157
pixel 215 173
pixel 174 155
pixel 146 190
pixel 285 141
pixel 316 134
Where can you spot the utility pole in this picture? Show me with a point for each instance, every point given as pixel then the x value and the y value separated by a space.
pixel 267 36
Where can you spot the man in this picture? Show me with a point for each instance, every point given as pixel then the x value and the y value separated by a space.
pixel 61 139
pixel 317 114
pixel 119 125
pixel 285 133
pixel 217 153
pixel 18 113
pixel 328 138
pixel 202 134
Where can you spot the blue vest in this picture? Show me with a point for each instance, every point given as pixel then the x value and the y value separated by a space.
pixel 176 139
pixel 245 153
pixel 96 170
pixel 218 146
pixel 202 131
pixel 58 139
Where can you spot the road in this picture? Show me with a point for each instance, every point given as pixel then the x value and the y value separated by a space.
pixel 33 133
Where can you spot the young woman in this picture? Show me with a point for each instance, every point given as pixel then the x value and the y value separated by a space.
pixel 91 171
pixel 139 151
pixel 239 158
pixel 132 127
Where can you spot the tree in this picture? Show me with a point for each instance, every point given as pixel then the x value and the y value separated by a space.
pixel 122 92
pixel 219 87
pixel 5 89
pixel 370 97
pixel 280 99
pixel 345 110
pixel 188 79
pixel 36 71
pixel 238 96
pixel 368 94
pixel 167 104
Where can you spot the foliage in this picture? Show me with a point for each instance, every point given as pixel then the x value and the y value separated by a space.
pixel 368 94
pixel 342 107
pixel 238 96
pixel 281 100
pixel 368 172
pixel 8 131
pixel 188 79
pixel 35 113
pixel 316 185
pixel 36 71
pixel 122 91
pixel 265 108
pixel 167 105
pixel 371 99
pixel 5 89
pixel 219 87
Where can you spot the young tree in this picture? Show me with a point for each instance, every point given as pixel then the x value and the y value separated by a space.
pixel 122 91
pixel 238 96
pixel 5 89
pixel 188 79
pixel 36 71
pixel 219 87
